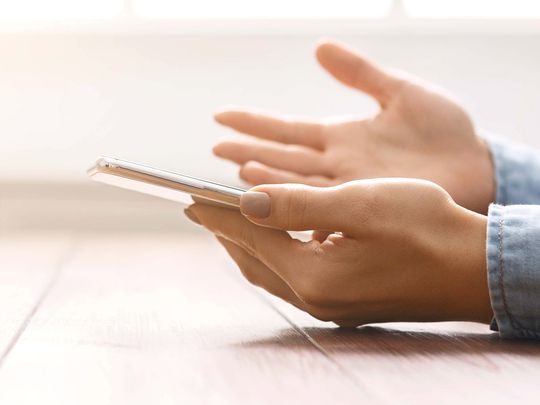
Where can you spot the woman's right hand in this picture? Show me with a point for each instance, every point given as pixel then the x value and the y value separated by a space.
pixel 395 250
pixel 418 133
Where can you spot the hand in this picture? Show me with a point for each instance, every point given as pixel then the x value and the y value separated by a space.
pixel 397 250
pixel 418 133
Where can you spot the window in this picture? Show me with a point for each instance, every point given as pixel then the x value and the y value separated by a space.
pixel 60 9
pixel 502 9
pixel 270 10
pixel 243 9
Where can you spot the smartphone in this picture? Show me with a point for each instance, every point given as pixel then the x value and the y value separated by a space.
pixel 164 184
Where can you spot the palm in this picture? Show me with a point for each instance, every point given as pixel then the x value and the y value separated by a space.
pixel 419 133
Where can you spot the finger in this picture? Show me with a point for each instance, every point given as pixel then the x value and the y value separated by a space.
pixel 293 158
pixel 297 207
pixel 320 236
pixel 257 173
pixel 355 71
pixel 347 324
pixel 259 274
pixel 273 128
pixel 276 249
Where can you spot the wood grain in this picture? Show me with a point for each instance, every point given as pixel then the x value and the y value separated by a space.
pixel 167 319
pixel 162 320
pixel 29 265
pixel 443 363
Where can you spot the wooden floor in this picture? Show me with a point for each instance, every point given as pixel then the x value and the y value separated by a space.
pixel 156 318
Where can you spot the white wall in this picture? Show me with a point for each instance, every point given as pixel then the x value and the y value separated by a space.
pixel 66 98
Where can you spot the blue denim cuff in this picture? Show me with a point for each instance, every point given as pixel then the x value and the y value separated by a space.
pixel 513 258
pixel 517 171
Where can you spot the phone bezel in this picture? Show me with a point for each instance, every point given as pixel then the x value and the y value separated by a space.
pixel 200 188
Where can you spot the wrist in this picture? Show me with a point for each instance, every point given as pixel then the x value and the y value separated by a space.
pixel 471 289
pixel 482 175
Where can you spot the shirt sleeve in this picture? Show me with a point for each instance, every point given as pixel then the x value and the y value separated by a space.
pixel 513 258
pixel 517 172
pixel 513 241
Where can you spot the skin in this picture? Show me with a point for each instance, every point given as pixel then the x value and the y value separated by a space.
pixel 386 248
pixel 385 258
pixel 418 133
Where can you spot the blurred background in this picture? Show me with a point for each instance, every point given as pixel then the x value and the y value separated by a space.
pixel 140 80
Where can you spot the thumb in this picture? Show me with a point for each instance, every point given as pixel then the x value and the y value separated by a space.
pixel 356 71
pixel 295 207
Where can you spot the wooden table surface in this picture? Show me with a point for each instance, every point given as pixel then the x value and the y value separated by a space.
pixel 155 318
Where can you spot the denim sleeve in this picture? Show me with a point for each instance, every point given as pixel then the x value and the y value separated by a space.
pixel 513 241
pixel 513 258
pixel 517 172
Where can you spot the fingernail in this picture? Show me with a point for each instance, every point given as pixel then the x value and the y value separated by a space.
pixel 191 215
pixel 255 204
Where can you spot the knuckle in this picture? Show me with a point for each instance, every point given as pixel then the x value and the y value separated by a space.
pixel 440 195
pixel 249 173
pixel 373 201
pixel 294 206
pixel 363 201
pixel 249 275
pixel 295 129
pixel 309 293
pixel 321 130
pixel 322 292
pixel 243 173
pixel 248 240
pixel 337 315
pixel 315 292
pixel 321 314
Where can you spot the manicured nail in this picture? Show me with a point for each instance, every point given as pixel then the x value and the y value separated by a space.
pixel 255 204
pixel 191 215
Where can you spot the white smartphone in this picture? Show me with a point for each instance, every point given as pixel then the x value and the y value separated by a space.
pixel 163 183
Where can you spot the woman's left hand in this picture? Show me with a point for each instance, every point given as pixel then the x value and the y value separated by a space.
pixel 419 133
pixel 385 250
